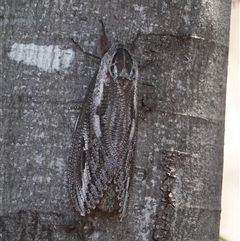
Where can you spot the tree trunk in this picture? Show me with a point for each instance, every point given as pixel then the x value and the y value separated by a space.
pixel 183 48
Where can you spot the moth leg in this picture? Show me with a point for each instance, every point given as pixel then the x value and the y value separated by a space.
pixel 104 40
pixel 84 52
pixel 145 64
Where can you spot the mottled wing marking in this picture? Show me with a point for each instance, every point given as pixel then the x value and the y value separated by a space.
pixel 104 139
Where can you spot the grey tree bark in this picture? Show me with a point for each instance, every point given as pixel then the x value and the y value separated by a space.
pixel 177 182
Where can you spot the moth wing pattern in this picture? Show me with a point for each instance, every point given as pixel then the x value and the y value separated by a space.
pixel 103 144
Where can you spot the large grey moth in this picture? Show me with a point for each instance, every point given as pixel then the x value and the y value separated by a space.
pixel 103 145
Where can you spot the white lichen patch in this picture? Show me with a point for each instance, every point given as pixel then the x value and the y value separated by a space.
pixel 141 10
pixel 48 58
pixel 95 236
pixel 146 222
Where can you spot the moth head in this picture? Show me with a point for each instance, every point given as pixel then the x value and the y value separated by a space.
pixel 122 66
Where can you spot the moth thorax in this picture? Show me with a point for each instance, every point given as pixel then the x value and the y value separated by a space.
pixel 122 65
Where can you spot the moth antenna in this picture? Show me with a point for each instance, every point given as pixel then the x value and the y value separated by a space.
pixel 104 40
pixel 84 52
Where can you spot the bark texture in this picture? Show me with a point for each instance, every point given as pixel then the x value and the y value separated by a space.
pixel 177 183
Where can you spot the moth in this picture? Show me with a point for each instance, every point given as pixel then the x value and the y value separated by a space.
pixel 102 155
